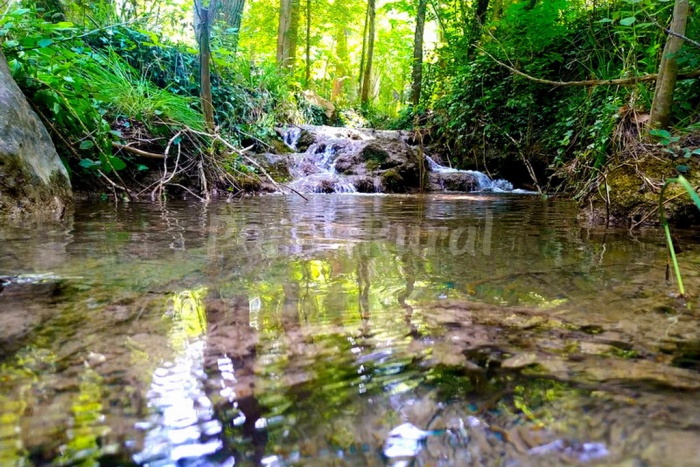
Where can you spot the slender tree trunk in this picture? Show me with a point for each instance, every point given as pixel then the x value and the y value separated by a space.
pixel 417 73
pixel 307 75
pixel 341 72
pixel 480 9
pixel 287 33
pixel 232 11
pixel 294 33
pixel 668 69
pixel 203 20
pixel 364 53
pixel 366 80
pixel 465 17
pixel 497 10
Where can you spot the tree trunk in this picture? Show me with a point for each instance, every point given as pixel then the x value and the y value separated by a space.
pixel 668 69
pixel 364 54
pixel 366 80
pixel 341 60
pixel 417 73
pixel 480 9
pixel 203 20
pixel 287 33
pixel 232 11
pixel 307 75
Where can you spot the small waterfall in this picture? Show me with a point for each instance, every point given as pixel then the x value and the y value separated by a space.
pixel 484 183
pixel 291 137
pixel 314 171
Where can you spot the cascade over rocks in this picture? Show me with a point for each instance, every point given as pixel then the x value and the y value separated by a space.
pixel 33 179
pixel 344 160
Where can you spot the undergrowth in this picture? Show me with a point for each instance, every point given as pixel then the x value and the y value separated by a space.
pixel 118 101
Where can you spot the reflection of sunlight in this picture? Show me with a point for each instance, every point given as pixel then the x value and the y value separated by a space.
pixel 12 449
pixel 88 423
pixel 182 424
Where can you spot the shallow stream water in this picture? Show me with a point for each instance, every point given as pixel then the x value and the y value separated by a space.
pixel 345 330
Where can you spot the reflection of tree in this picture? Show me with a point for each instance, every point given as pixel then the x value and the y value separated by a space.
pixel 88 428
pixel 409 276
pixel 230 357
pixel 363 281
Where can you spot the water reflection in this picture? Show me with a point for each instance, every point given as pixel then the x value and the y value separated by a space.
pixel 274 330
pixel 182 425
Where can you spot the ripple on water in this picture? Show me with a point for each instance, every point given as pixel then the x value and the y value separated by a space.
pixel 277 331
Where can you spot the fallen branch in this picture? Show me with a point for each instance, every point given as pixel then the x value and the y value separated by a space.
pixel 242 153
pixel 138 152
pixel 591 82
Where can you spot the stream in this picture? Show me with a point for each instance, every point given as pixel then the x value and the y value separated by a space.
pixel 346 329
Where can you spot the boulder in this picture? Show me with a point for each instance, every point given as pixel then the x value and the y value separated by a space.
pixel 327 106
pixel 453 181
pixel 33 179
pixel 399 166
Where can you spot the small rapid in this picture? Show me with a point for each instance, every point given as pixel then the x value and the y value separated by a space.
pixel 314 171
pixel 313 167
pixel 484 182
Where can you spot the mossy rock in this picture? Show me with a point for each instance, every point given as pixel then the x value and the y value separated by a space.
pixel 249 183
pixel 633 185
pixel 393 182
pixel 375 153
pixel 278 147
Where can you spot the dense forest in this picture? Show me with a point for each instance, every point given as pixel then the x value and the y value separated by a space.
pixel 554 95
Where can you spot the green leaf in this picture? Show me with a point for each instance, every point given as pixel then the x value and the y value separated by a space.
pixel 696 152
pixel 629 21
pixel 683 168
pixel 141 167
pixel 660 133
pixel 87 144
pixel 88 164
pixel 69 79
pixel 10 44
pixel 45 42
pixel 605 20
pixel 117 164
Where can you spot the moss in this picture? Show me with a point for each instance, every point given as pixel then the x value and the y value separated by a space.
pixel 278 147
pixel 393 182
pixel 633 183
pixel 373 152
pixel 372 165
pixel 249 183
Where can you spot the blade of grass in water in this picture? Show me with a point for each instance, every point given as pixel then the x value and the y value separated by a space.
pixel 681 180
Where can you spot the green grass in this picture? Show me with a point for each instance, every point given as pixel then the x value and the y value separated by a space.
pixel 117 84
pixel 681 180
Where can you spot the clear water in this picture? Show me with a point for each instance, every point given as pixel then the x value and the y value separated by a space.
pixel 345 330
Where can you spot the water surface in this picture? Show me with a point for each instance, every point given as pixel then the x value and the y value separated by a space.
pixel 279 331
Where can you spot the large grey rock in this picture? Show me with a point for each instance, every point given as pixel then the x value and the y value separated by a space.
pixel 33 179
pixel 453 181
